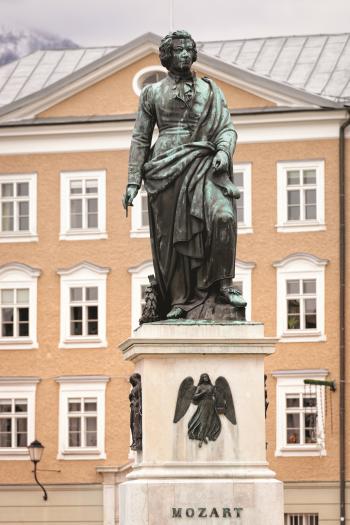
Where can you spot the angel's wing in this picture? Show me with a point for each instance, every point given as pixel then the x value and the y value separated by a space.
pixel 224 402
pixel 184 398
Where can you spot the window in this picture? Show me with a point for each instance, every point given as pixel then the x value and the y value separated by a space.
pixel 146 76
pixel 242 174
pixel 301 519
pixel 139 218
pixel 243 281
pixel 300 298
pixel 17 416
pixel 300 423
pixel 83 310
pixel 82 422
pixel 300 196
pixel 83 205
pixel 18 304
pixel 82 417
pixel 83 306
pixel 18 208
pixel 139 283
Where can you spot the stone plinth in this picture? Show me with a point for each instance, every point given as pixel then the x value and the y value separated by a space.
pixel 173 478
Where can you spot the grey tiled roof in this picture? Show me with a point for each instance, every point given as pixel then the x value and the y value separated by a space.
pixel 318 64
pixel 41 69
pixel 315 64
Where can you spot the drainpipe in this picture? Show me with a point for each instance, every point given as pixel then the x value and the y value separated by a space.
pixel 342 269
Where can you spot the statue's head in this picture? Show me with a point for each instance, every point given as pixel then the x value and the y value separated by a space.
pixel 204 378
pixel 135 379
pixel 177 51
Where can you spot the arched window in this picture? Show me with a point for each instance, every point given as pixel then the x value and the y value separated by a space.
pixel 18 302
pixel 300 298
pixel 146 76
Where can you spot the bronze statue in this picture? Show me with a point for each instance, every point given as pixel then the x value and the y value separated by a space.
pixel 211 400
pixel 188 177
pixel 135 398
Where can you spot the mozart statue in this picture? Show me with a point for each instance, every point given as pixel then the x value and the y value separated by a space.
pixel 188 176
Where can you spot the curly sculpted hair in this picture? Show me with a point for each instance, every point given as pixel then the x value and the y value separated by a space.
pixel 166 47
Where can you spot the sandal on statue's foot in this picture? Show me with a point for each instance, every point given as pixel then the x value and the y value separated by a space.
pixel 232 296
pixel 176 313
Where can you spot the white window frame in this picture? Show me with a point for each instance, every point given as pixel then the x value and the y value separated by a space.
pixel 243 274
pixel 14 276
pixel 283 224
pixel 82 234
pixel 136 81
pixel 300 266
pixel 83 275
pixel 137 229
pixel 32 234
pixel 81 386
pixel 20 388
pixel 139 277
pixel 292 382
pixel 246 169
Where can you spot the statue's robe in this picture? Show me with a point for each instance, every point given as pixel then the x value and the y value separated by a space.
pixel 192 212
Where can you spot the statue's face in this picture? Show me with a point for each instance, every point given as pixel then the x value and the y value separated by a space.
pixel 205 378
pixel 182 55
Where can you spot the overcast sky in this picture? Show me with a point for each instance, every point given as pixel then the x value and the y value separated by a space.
pixel 114 22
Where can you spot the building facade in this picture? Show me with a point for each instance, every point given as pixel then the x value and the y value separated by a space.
pixel 74 268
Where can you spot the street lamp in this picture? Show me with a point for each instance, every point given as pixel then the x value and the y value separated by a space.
pixel 36 450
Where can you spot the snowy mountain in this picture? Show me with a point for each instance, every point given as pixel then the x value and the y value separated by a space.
pixel 18 42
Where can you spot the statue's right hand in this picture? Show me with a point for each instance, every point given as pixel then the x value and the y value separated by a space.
pixel 129 195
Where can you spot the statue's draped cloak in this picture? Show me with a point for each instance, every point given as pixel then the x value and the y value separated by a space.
pixel 192 213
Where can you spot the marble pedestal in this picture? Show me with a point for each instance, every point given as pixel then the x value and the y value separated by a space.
pixel 225 481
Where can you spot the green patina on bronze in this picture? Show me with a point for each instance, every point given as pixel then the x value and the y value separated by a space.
pixel 188 177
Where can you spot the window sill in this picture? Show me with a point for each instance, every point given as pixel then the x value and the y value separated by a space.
pixel 302 337
pixel 18 237
pixel 300 226
pixel 311 450
pixel 81 453
pixel 243 229
pixel 10 454
pixel 83 235
pixel 83 343
pixel 140 233
pixel 18 344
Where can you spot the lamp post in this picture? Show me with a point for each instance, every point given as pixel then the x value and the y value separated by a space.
pixel 36 450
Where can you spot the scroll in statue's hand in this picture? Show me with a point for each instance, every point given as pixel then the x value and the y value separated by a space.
pixel 220 162
pixel 129 195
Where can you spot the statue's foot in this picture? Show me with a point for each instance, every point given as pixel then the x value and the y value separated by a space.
pixel 176 313
pixel 232 296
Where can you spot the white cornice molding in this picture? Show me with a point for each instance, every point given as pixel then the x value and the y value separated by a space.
pixel 246 265
pixel 18 380
pixel 307 372
pixel 140 267
pixel 16 266
pixel 300 256
pixel 82 379
pixel 113 136
pixel 85 265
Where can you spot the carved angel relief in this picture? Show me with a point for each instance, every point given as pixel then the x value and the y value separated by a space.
pixel 211 400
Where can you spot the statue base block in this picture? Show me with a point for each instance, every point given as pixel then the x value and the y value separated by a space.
pixel 231 502
pixel 180 480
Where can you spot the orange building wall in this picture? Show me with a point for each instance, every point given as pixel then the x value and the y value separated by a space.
pixel 119 252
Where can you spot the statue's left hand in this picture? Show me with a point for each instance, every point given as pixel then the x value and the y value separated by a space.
pixel 220 162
